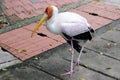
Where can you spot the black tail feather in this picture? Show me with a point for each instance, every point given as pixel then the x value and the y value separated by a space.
pixel 91 29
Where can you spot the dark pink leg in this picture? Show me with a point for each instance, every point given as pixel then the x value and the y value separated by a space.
pixel 71 69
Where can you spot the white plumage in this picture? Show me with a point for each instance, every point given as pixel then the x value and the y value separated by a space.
pixel 70 26
pixel 70 23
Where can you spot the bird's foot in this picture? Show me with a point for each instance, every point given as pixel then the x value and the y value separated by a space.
pixel 68 73
pixel 77 63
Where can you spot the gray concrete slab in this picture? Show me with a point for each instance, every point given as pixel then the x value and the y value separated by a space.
pixel 112 36
pixel 106 47
pixel 7 59
pixel 25 73
pixel 9 63
pixel 54 62
pixel 101 63
pixel 112 2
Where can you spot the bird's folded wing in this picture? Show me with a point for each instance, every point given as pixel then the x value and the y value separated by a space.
pixel 74 28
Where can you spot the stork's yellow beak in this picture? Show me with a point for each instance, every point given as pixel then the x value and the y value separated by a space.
pixel 43 19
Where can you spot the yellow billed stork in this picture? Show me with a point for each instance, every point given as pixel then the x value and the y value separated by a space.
pixel 71 26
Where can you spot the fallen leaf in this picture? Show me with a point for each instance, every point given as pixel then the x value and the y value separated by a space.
pixel 115 44
pixel 4 69
pixel 19 25
pixel 50 44
pixel 36 58
pixel 86 65
pixel 82 78
pixel 70 49
pixel 101 53
pixel 108 44
pixel 118 8
pixel 108 68
pixel 111 28
pixel 21 51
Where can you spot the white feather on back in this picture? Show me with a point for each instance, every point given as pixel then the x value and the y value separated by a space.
pixel 74 28
pixel 71 23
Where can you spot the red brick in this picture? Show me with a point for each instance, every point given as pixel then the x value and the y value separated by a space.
pixel 22 15
pixel 28 7
pixel 52 3
pixel 19 9
pixel 34 50
pixel 39 11
pixel 37 44
pixel 44 5
pixel 60 3
pixel 88 9
pixel 26 43
pixel 7 1
pixel 32 26
pixel 41 5
pixel 99 11
pixel 14 18
pixel 16 40
pixel 30 13
pixel 45 0
pixel 53 45
pixel 37 6
pixel 96 21
pixel 95 25
pixel 16 3
pixel 59 39
pixel 20 54
pixel 8 5
pixel 103 6
pixel 9 11
pixel 5 37
pixel 67 1
pixel 8 48
pixel 25 1
pixel 110 15
pixel 74 1
pixel 46 44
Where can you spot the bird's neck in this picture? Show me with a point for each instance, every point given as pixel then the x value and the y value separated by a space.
pixel 51 25
pixel 52 19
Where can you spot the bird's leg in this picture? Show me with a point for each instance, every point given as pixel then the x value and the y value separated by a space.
pixel 78 59
pixel 72 56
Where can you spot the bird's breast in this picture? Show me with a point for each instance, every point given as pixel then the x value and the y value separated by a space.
pixel 54 28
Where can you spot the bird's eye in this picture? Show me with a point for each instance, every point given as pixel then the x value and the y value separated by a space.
pixel 48 10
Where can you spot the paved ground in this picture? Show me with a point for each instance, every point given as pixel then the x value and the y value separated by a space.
pixel 100 62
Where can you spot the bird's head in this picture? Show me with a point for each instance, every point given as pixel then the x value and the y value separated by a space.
pixel 49 12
